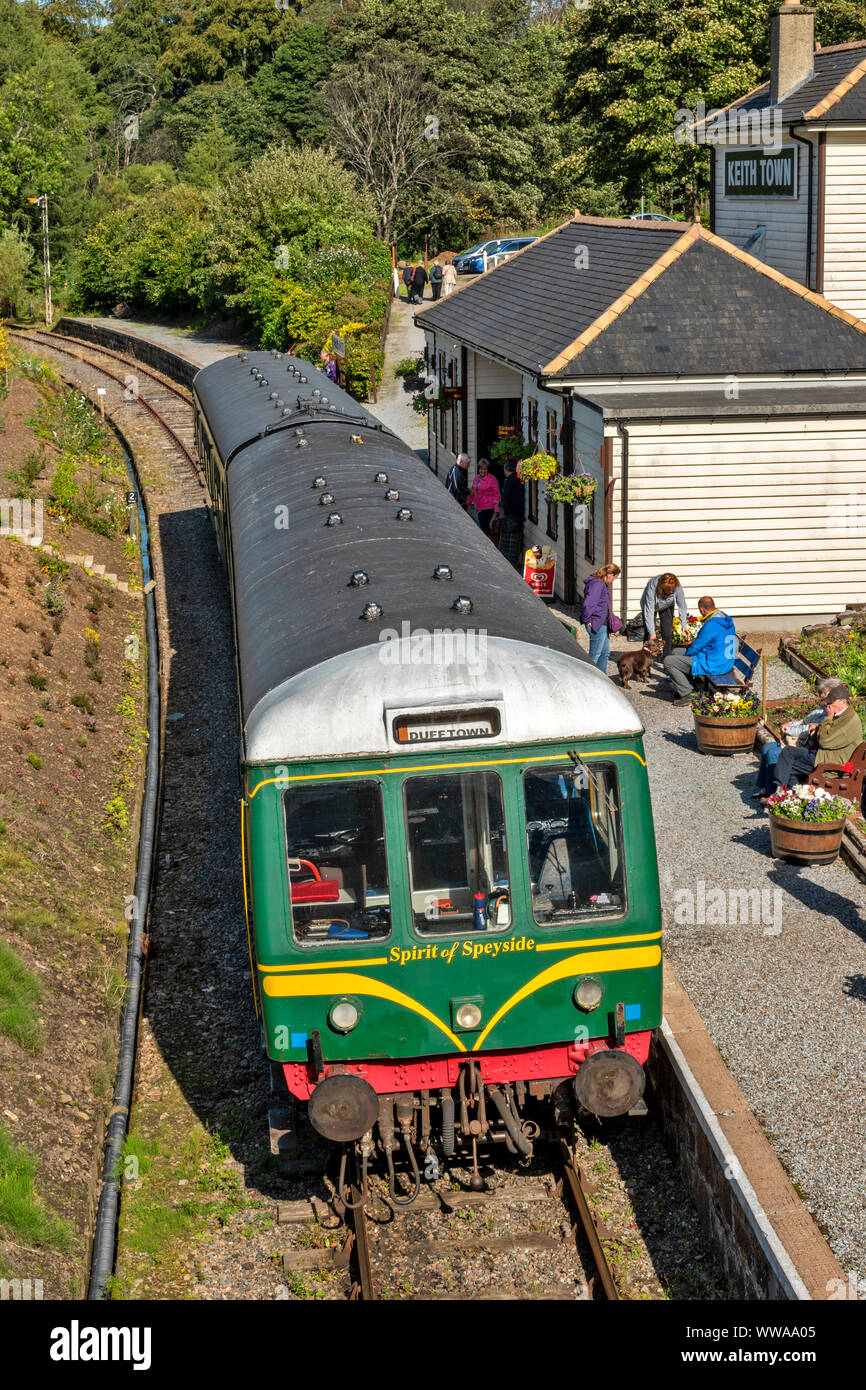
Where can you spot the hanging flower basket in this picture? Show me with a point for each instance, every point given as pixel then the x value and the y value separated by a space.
pixel 537 468
pixel 576 490
pixel 725 724
pixel 807 823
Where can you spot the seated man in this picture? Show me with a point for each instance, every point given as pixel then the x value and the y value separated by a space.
pixel 797 729
pixel 833 741
pixel 711 654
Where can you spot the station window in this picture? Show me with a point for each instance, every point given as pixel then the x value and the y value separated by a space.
pixel 532 504
pixel 458 855
pixel 574 843
pixel 338 869
pixel 552 433
pixel 532 420
pixel 553 520
pixel 589 538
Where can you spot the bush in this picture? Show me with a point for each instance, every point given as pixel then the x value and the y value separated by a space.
pixel 37 681
pixel 83 702
pixel 34 761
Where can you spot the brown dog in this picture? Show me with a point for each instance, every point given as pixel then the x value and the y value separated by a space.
pixel 639 664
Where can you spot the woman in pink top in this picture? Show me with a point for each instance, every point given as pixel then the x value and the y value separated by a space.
pixel 484 495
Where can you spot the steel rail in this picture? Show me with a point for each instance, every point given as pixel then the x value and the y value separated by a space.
pixel 188 458
pixel 43 336
pixel 574 1180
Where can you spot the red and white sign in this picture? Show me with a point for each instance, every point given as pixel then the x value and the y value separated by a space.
pixel 539 570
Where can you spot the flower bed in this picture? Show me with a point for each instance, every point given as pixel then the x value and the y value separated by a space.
pixel 842 656
pixel 725 724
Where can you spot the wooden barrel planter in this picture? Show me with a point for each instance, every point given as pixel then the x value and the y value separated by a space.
pixel 724 737
pixel 805 842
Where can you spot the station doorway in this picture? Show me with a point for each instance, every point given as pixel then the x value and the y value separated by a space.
pixel 489 415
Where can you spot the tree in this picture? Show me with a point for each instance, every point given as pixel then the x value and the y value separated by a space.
pixel 289 87
pixel 211 38
pixel 630 65
pixel 15 257
pixel 210 157
pixel 384 123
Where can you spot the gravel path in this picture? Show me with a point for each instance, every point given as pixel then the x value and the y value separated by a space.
pixel 782 994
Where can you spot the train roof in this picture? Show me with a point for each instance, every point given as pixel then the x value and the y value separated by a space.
pixel 319 679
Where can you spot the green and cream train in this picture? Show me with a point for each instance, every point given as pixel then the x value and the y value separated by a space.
pixel 449 858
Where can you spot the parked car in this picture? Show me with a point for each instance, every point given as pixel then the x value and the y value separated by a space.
pixel 650 217
pixel 471 262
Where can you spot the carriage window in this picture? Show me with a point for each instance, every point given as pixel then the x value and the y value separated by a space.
pixel 458 855
pixel 574 841
pixel 338 870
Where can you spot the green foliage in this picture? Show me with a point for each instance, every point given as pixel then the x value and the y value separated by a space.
pixel 210 39
pixel 20 991
pixel 15 257
pixel 21 1215
pixel 289 87
pixel 83 702
pixel 33 758
pixel 151 252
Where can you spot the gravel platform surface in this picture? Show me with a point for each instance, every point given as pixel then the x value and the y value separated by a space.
pixel 783 993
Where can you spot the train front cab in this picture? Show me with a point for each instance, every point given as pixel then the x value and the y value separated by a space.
pixel 426 923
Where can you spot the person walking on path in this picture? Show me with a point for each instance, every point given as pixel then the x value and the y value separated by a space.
pixel 511 512
pixel 599 618
pixel 449 279
pixel 436 276
pixel 408 272
pixel 796 729
pixel 419 280
pixel 833 740
pixel 484 496
pixel 659 597
pixel 457 482
pixel 711 654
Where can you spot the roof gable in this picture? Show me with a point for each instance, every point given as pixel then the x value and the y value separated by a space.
pixel 532 307
pixel 714 311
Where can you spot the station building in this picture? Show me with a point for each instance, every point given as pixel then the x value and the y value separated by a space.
pixel 713 381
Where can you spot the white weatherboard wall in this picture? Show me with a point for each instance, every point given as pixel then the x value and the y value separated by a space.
pixel 784 246
pixel 767 516
pixel 845 221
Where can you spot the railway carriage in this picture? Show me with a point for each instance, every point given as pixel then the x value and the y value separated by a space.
pixel 449 860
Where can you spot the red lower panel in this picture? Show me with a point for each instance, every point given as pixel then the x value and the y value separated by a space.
pixel 433 1073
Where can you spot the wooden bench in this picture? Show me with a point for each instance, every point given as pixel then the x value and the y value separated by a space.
pixel 843 779
pixel 742 673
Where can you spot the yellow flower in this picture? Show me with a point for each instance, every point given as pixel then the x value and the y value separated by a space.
pixel 90 635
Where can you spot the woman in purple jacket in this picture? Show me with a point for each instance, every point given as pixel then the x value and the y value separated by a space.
pixel 599 618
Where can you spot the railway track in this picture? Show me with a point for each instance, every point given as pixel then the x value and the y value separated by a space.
pixel 168 405
pixel 541 1221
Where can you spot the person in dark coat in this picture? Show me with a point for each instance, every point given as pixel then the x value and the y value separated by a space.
pixel 457 482
pixel 408 272
pixel 511 512
pixel 419 280
pixel 436 274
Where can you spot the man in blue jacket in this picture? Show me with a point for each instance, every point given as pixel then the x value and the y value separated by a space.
pixel 711 654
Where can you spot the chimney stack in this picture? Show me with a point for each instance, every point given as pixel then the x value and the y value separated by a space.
pixel 792 48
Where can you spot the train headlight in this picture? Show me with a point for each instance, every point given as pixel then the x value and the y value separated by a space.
pixel 588 993
pixel 467 1016
pixel 344 1015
